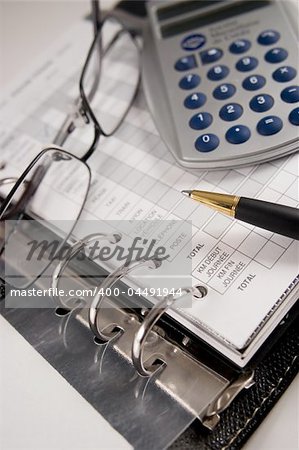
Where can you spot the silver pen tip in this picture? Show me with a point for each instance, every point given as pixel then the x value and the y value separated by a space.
pixel 187 193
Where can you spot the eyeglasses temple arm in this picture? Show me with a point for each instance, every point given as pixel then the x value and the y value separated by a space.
pixel 68 126
pixel 64 131
pixel 96 15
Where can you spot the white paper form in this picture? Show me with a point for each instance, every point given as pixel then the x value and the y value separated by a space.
pixel 245 269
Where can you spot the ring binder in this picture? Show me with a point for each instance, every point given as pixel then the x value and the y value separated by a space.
pixel 142 343
pixel 134 333
pixel 115 276
pixel 73 251
pixel 147 325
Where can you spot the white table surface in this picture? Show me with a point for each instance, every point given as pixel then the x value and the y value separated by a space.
pixel 38 408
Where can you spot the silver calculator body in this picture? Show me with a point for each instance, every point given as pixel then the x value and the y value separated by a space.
pixel 221 80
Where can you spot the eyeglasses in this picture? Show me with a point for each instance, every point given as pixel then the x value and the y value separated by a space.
pixel 108 83
pixel 55 184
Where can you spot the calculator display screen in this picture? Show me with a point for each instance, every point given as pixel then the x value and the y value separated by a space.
pixel 225 11
pixel 170 11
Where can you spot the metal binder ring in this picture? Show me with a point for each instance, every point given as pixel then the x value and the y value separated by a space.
pixel 109 282
pixel 147 325
pixel 72 252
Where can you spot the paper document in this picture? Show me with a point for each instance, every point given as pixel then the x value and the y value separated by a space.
pixel 134 176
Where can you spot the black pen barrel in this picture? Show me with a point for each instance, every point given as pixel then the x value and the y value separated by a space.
pixel 280 219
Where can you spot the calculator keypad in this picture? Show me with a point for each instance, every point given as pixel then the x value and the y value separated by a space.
pixel 268 37
pixel 284 74
pixel 224 91
pixel 231 112
pixel 294 117
pixel 238 134
pixel 240 46
pixel 217 73
pixel 247 63
pixel 276 55
pixel 269 125
pixel 195 100
pixel 186 63
pixel 216 115
pixel 207 143
pixel 211 55
pixel 290 94
pixel 201 121
pixel 189 81
pixel 254 82
pixel 261 103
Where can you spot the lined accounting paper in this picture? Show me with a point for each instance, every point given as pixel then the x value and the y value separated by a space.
pixel 247 270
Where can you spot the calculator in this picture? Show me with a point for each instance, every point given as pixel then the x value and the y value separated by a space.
pixel 221 80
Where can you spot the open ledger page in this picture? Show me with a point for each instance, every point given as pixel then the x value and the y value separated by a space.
pixel 134 176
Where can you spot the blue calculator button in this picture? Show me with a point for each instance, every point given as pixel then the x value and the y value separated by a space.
pixel 224 91
pixel 276 55
pixel 240 46
pixel 238 134
pixel 210 55
pixel 195 100
pixel 247 63
pixel 218 73
pixel 193 42
pixel 206 143
pixel 268 37
pixel 284 74
pixel 269 125
pixel 201 121
pixel 189 81
pixel 185 63
pixel 261 103
pixel 294 116
pixel 254 82
pixel 290 94
pixel 231 112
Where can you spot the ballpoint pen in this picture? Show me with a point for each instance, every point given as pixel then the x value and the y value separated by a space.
pixel 274 217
